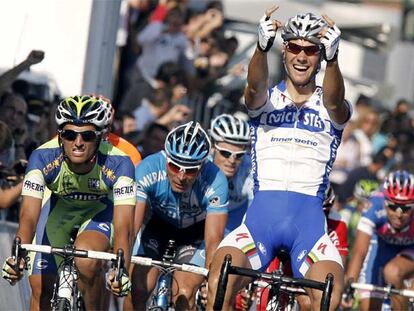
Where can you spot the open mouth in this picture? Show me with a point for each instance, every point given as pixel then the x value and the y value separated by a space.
pixel 301 68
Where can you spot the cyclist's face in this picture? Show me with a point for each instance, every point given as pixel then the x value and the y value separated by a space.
pixel 398 219
pixel 301 67
pixel 180 180
pixel 228 157
pixel 78 150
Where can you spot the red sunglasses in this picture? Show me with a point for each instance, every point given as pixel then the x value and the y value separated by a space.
pixel 296 49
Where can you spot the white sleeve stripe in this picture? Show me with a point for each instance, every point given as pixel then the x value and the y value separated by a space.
pixel 366 225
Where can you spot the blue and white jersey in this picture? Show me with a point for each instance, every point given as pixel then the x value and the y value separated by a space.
pixel 293 149
pixel 209 193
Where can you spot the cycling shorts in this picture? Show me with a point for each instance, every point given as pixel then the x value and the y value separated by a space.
pixel 189 241
pixel 54 228
pixel 291 220
pixel 378 255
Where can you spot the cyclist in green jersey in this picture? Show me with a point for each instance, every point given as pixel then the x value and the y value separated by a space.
pixel 77 179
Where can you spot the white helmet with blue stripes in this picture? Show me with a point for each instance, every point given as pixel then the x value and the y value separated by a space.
pixel 230 129
pixel 188 144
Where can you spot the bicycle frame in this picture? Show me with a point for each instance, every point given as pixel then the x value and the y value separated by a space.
pixel 271 278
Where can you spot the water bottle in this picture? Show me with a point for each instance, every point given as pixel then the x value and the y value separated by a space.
pixel 163 287
pixel 386 304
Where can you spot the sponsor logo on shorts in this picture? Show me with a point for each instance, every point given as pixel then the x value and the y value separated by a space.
pixel 203 254
pixel 41 264
pixel 301 255
pixel 104 226
pixel 262 248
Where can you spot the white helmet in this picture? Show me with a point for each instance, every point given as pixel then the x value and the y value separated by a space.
pixel 230 129
pixel 304 26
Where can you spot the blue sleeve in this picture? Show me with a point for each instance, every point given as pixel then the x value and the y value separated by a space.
pixel 144 176
pixel 376 213
pixel 217 193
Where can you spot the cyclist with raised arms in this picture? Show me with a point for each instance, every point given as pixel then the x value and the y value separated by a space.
pixel 187 196
pixel 383 251
pixel 231 138
pixel 296 128
pixel 76 179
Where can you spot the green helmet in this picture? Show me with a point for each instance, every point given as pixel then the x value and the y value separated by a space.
pixel 364 188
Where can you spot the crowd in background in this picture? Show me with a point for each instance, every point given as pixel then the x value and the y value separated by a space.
pixel 168 70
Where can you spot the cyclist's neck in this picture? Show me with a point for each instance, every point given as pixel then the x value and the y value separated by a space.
pixel 298 94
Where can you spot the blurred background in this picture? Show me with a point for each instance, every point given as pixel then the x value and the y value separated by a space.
pixel 163 62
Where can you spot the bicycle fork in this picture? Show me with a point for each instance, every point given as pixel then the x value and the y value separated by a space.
pixel 65 291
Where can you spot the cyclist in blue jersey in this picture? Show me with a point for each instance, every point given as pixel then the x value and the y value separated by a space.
pixel 76 180
pixel 296 128
pixel 187 197
pixel 383 252
pixel 231 138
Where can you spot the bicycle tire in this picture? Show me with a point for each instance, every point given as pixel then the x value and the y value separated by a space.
pixel 62 304
pixel 222 283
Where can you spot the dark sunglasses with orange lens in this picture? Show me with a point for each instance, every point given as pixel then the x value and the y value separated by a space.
pixel 296 49
pixel 87 136
pixel 404 208
pixel 175 168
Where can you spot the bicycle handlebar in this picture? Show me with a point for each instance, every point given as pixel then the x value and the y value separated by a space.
pixel 386 290
pixel 273 278
pixel 144 261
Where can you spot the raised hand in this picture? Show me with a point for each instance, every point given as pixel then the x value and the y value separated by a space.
pixel 330 37
pixel 35 57
pixel 267 30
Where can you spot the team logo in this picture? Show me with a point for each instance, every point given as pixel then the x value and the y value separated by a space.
pixel 262 248
pixel 215 201
pixel 93 184
pixel 41 264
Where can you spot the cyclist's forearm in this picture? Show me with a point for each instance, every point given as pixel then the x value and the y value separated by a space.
pixel 333 87
pixel 257 80
pixel 123 240
pixel 26 230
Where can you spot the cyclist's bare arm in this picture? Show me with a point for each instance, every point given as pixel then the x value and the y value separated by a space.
pixel 140 210
pixel 123 221
pixel 255 93
pixel 29 216
pixel 213 234
pixel 359 253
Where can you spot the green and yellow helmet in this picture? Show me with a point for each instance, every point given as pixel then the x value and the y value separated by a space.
pixel 84 109
pixel 364 188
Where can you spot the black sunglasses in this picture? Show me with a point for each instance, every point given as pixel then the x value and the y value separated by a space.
pixel 87 136
pixel 296 49
pixel 404 208
pixel 227 153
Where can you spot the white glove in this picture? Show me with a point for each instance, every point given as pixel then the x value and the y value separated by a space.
pixel 266 33
pixel 330 41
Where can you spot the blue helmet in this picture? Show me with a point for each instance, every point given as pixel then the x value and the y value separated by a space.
pixel 188 144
